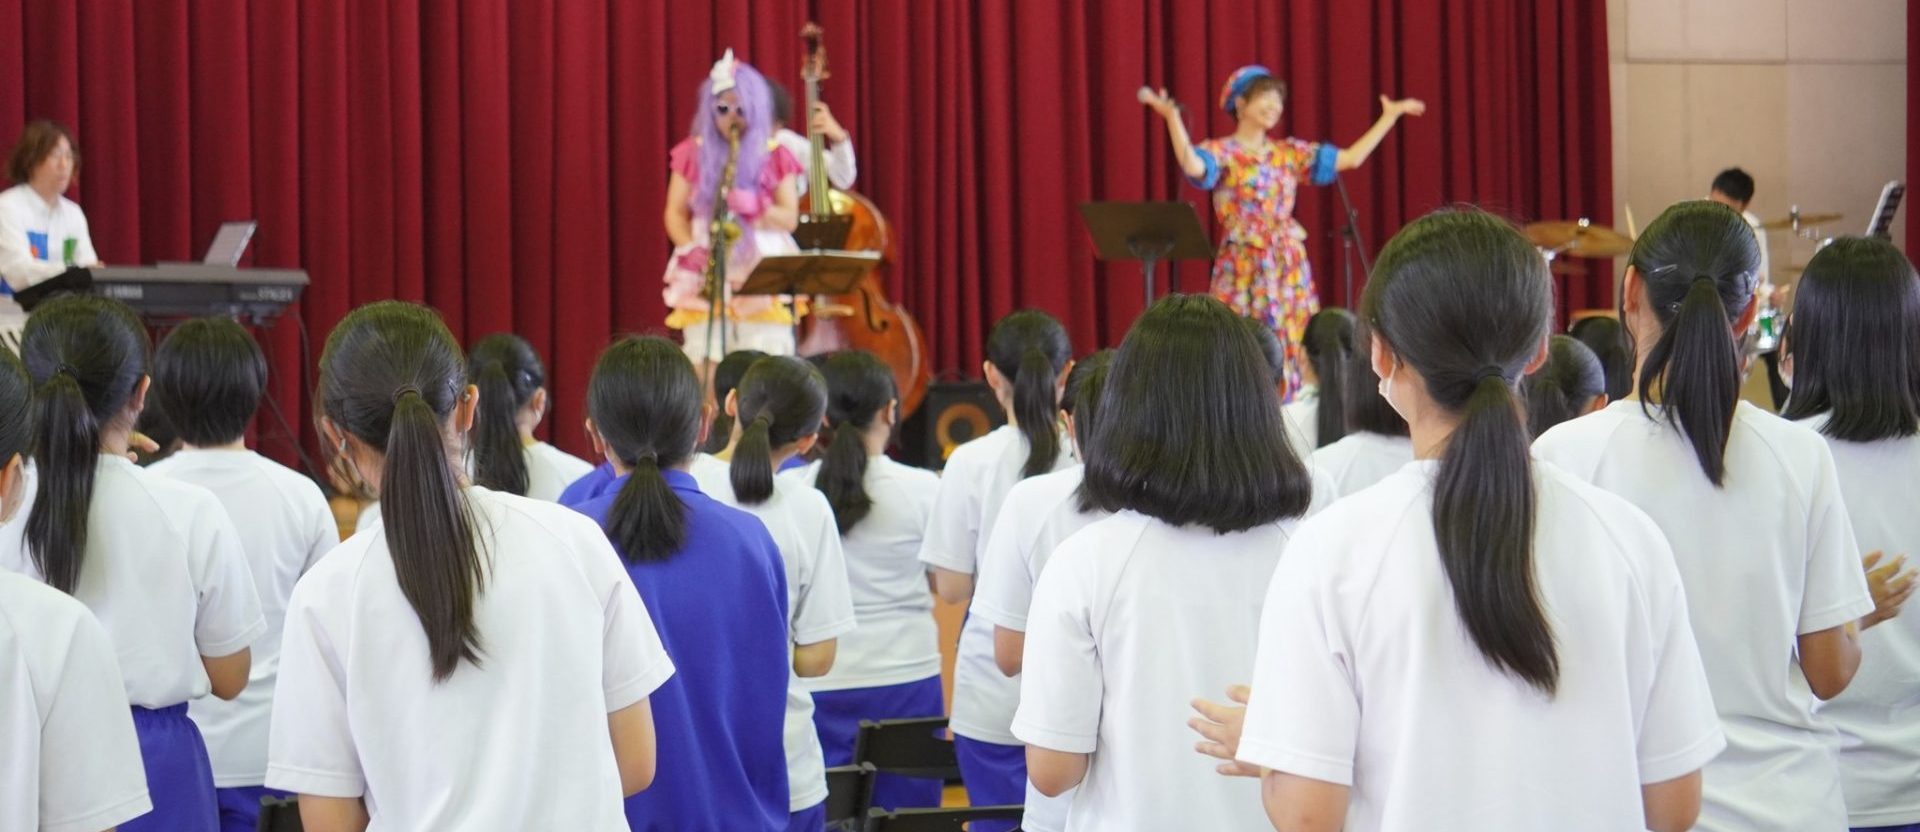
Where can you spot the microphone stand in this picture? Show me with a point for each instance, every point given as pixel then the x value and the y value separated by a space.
pixel 721 232
pixel 1350 241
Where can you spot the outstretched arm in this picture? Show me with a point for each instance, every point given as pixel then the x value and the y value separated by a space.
pixel 1355 155
pixel 1162 103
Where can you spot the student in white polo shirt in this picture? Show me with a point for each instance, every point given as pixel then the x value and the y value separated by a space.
pixel 513 402
pixel 1376 442
pixel 69 759
pixel 481 660
pixel 157 561
pixel 777 412
pixel 1037 514
pixel 1028 359
pixel 208 377
pixel 1476 642
pixel 1136 610
pixel 1752 507
pixel 1853 357
pixel 889 666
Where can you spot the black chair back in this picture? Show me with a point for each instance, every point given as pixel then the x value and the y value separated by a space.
pixel 277 815
pixel 848 790
pixel 908 748
pixel 937 820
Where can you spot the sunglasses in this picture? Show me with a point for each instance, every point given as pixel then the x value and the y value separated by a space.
pixel 724 110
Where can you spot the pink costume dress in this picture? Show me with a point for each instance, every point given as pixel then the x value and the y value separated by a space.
pixel 761 323
pixel 1262 269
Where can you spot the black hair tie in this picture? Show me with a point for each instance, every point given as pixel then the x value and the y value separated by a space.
pixel 68 370
pixel 404 391
pixel 1490 371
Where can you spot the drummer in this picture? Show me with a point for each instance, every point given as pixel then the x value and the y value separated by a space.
pixel 1733 188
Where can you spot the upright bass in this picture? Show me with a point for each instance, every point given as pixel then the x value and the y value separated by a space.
pixel 863 318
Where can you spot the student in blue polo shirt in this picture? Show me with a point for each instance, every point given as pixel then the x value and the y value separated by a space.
pixel 717 588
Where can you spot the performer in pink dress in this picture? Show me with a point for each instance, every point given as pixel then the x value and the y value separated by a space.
pixel 763 201
pixel 1262 270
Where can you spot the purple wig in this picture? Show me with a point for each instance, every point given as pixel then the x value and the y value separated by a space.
pixel 756 103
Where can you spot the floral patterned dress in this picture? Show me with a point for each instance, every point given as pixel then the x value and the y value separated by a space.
pixel 1261 270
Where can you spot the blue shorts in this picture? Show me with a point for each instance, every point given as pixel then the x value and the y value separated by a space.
pixel 995 775
pixel 808 820
pixel 837 715
pixel 179 775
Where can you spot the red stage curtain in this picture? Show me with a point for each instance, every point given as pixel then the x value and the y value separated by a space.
pixel 505 161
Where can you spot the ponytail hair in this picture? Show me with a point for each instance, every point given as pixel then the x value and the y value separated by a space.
pixel 859 387
pixel 1465 300
pixel 1084 387
pixel 1329 347
pixel 508 373
pixel 391 375
pixel 1563 386
pixel 1029 348
pixel 726 377
pixel 781 400
pixel 86 356
pixel 1855 342
pixel 645 402
pixel 1697 264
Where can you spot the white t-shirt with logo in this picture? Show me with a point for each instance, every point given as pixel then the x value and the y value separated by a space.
pixel 1367 678
pixel 1766 558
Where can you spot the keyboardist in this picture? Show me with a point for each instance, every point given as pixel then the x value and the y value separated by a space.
pixel 42 232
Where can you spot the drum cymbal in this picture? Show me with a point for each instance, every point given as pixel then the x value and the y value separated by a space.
pixel 1579 238
pixel 1788 223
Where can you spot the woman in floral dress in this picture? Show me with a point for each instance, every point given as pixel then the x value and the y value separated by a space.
pixel 1262 269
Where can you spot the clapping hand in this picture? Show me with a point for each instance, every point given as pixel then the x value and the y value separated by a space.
pixel 1221 725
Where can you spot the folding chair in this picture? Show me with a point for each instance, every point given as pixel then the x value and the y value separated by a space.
pixel 277 815
pixel 937 820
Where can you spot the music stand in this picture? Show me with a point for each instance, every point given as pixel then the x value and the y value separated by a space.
pixel 1146 231
pixel 815 272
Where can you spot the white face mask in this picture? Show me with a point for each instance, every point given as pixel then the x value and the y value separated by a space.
pixel 1386 389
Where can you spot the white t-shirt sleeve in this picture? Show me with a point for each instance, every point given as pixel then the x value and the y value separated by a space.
pixel 1680 729
pixel 1005 590
pixel 91 776
pixel 841 166
pixel 953 529
pixel 1303 716
pixel 229 617
pixel 1061 687
pixel 310 748
pixel 1836 588
pixel 823 606
pixel 634 663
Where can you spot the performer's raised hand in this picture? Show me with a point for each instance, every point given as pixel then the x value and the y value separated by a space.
pixel 1160 102
pixel 1403 107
